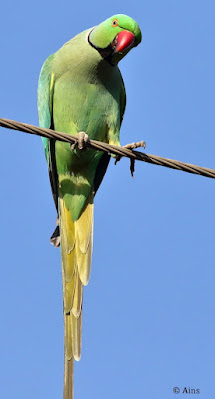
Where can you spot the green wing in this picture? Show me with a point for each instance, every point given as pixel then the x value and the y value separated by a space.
pixel 45 98
pixel 45 110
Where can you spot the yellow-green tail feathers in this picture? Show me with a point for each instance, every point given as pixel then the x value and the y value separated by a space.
pixel 76 252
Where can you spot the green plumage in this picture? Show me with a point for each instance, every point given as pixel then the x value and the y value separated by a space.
pixel 87 94
pixel 81 89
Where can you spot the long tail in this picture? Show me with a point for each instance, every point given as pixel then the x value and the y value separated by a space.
pixel 76 252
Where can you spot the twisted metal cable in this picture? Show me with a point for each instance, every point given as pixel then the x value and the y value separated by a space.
pixel 111 149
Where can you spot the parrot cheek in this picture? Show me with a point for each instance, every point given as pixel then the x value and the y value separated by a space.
pixel 123 41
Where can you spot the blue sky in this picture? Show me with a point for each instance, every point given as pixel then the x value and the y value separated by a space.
pixel 149 317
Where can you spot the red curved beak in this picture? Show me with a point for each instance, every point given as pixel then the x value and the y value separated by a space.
pixel 124 40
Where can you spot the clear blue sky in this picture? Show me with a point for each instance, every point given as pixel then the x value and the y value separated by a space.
pixel 149 314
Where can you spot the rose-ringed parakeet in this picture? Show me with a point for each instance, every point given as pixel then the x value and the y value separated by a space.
pixel 81 90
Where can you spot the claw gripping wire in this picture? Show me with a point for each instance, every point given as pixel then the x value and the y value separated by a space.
pixel 111 149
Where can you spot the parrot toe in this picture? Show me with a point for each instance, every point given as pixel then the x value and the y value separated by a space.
pixel 82 139
pixel 131 146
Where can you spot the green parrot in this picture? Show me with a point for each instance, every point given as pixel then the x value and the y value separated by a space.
pixel 81 90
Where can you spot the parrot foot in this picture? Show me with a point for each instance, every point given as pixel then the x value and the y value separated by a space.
pixel 131 146
pixel 82 139
pixel 55 238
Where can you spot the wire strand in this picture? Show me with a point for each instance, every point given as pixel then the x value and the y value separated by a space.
pixel 111 149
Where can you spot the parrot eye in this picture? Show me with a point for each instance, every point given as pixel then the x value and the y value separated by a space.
pixel 114 22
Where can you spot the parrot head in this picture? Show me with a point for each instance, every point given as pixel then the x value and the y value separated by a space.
pixel 115 37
